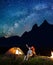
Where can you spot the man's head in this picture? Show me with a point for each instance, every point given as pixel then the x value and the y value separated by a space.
pixel 29 48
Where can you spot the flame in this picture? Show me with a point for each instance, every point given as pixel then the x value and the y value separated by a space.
pixel 51 54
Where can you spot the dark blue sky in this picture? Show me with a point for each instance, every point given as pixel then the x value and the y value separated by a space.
pixel 18 16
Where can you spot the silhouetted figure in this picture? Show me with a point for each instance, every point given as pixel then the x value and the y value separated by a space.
pixel 32 48
pixel 30 52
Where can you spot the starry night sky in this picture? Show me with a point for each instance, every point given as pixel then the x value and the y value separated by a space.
pixel 18 16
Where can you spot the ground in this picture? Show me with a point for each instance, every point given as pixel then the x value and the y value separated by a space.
pixel 18 60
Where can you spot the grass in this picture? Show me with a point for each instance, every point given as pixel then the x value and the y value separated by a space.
pixel 38 60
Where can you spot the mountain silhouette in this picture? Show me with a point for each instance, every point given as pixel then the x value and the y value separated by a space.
pixel 41 37
pixel 11 41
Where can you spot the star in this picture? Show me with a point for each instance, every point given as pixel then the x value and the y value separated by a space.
pixel 16 25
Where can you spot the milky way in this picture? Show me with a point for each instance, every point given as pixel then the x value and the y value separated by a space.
pixel 18 16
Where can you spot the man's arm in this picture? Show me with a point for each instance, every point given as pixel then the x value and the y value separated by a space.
pixel 27 46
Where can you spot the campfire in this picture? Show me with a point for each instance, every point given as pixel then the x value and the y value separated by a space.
pixel 51 54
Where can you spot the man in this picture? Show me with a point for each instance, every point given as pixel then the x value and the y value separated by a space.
pixel 29 53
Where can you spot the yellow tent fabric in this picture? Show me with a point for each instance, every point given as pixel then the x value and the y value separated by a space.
pixel 14 50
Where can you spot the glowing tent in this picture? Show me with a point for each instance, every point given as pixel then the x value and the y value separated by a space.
pixel 14 51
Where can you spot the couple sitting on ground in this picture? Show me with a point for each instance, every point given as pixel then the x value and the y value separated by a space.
pixel 30 52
